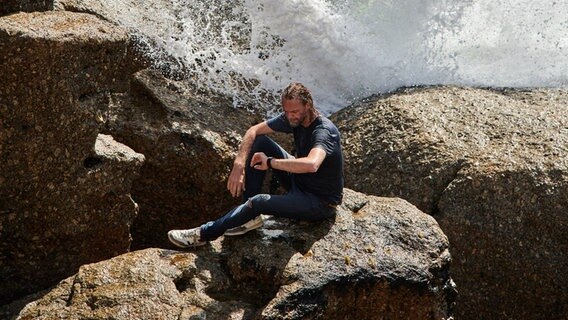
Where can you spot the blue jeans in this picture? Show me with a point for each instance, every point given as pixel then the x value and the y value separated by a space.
pixel 295 204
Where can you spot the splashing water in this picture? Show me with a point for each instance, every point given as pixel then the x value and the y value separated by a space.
pixel 346 50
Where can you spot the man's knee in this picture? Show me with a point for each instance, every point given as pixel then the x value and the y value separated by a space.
pixel 258 202
pixel 260 142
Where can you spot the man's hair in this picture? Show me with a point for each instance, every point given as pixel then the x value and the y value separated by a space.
pixel 297 91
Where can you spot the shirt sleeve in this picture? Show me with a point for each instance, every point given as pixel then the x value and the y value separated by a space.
pixel 280 124
pixel 324 139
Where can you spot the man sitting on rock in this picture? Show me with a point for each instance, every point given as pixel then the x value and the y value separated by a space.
pixel 313 179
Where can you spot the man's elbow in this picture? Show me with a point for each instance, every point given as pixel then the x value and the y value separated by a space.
pixel 251 132
pixel 313 167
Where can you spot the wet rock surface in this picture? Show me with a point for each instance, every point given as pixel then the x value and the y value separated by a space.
pixel 378 258
pixel 492 167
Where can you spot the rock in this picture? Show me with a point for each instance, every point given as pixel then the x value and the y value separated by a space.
pixel 508 231
pixel 378 259
pixel 121 163
pixel 13 6
pixel 64 190
pixel 189 140
pixel 492 167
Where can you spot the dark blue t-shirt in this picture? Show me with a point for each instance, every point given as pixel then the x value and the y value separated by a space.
pixel 327 182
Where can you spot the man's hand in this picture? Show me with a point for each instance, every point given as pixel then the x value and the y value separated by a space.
pixel 258 161
pixel 236 183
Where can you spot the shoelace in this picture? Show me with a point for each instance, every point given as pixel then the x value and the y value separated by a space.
pixel 190 235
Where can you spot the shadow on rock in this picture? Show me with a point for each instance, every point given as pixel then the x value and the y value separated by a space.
pixel 257 262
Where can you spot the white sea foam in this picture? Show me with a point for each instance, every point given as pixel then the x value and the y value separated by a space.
pixel 345 50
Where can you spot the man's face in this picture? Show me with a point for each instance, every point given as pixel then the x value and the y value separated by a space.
pixel 296 112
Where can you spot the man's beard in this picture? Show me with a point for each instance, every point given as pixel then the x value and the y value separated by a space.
pixel 295 124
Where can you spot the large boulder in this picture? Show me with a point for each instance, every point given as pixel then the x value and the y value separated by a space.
pixel 379 258
pixel 189 140
pixel 64 189
pixel 492 167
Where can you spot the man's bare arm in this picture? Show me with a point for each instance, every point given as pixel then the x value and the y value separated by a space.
pixel 236 181
pixel 308 164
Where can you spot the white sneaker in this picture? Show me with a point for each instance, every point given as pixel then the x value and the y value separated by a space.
pixel 251 225
pixel 186 238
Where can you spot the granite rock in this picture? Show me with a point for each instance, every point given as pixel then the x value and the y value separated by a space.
pixel 379 258
pixel 492 167
pixel 64 189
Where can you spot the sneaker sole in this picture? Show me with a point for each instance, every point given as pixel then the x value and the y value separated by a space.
pixel 242 231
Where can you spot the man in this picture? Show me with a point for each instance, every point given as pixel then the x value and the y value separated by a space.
pixel 313 179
